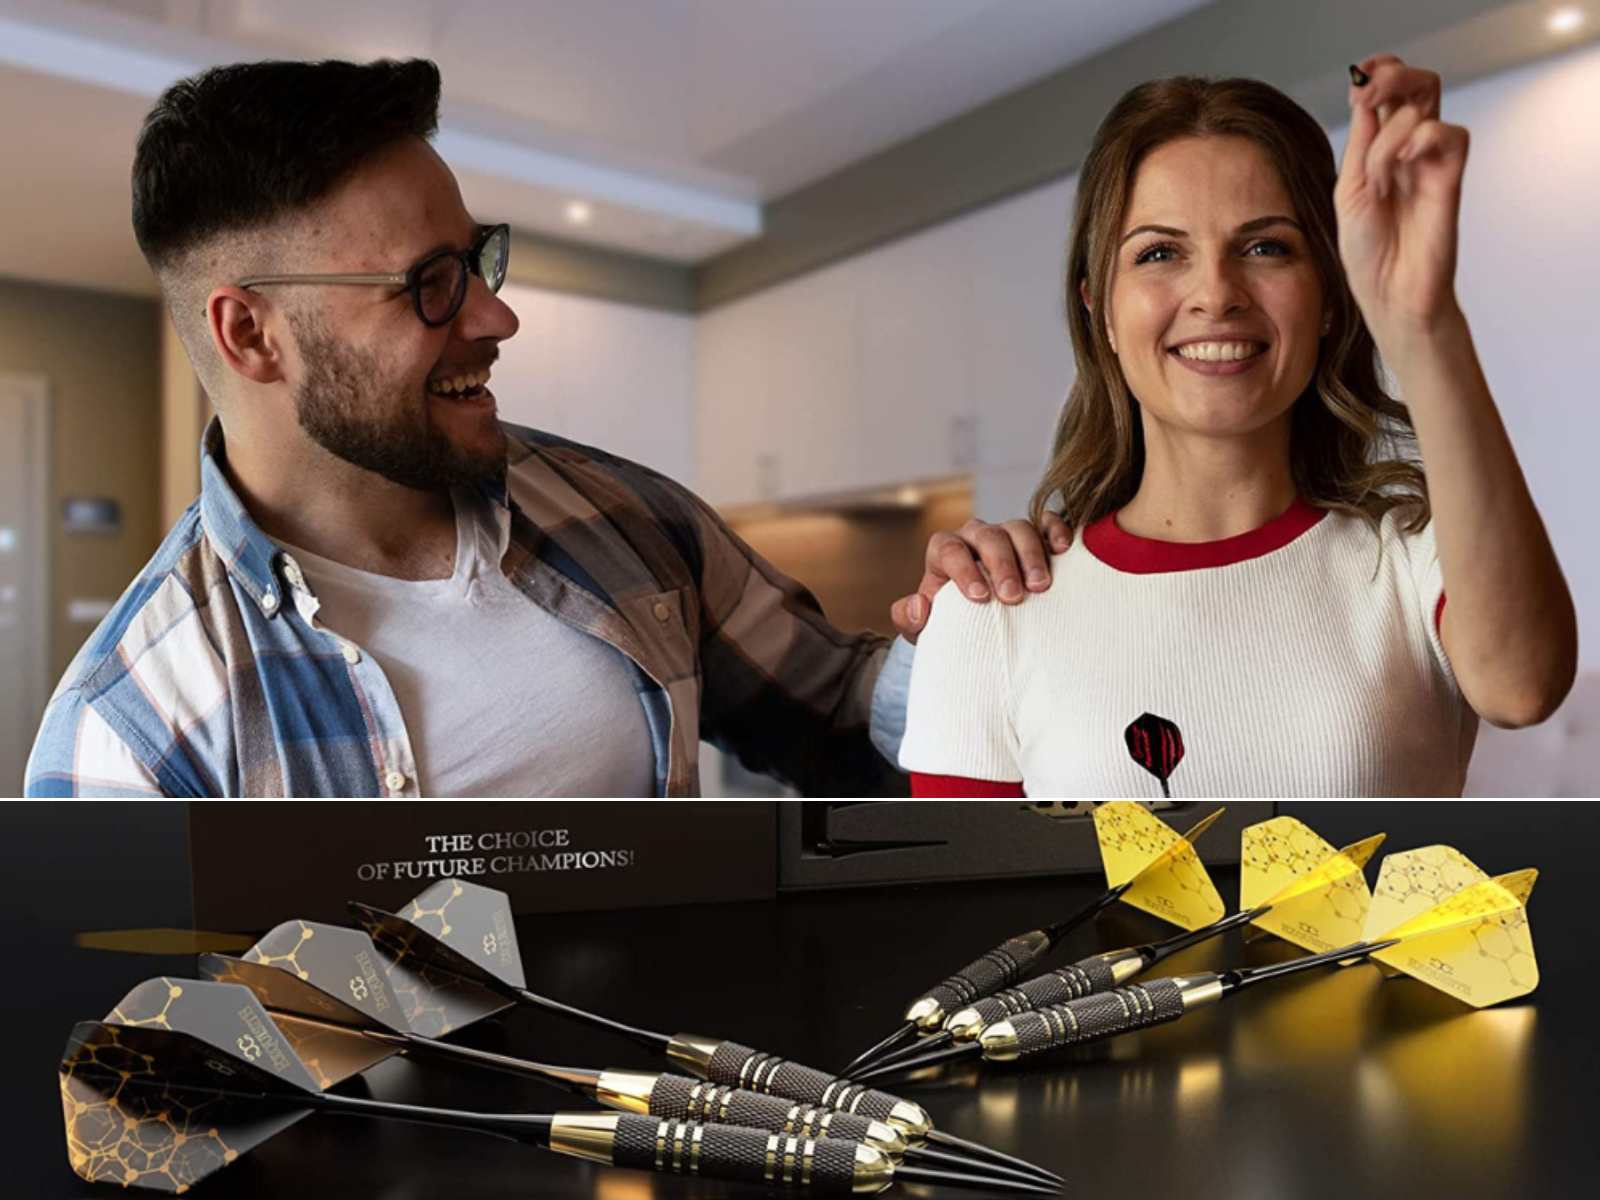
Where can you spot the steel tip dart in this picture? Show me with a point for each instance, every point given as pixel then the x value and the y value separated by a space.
pixel 1147 864
pixel 1434 916
pixel 329 992
pixel 1293 884
pixel 151 1105
pixel 460 931
pixel 1089 977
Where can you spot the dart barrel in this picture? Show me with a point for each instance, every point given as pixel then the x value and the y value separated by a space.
pixel 678 1098
pixel 826 1166
pixel 1101 973
pixel 733 1065
pixel 1095 1018
pixel 1000 968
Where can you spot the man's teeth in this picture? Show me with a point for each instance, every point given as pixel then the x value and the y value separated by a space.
pixel 1220 351
pixel 456 384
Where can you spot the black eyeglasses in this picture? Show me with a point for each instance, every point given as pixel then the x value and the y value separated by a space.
pixel 438 284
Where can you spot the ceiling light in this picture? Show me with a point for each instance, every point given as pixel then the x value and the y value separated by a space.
pixel 1565 20
pixel 93 46
pixel 579 213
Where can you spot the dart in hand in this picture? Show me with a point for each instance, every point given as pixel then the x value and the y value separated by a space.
pixel 327 990
pixel 1291 882
pixel 1147 864
pixel 164 1099
pixel 1434 916
pixel 457 932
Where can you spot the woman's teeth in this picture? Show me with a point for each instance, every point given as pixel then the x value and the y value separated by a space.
pixel 1221 351
pixel 455 385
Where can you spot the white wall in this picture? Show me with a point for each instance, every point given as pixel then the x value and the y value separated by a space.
pixel 604 374
pixel 939 354
pixel 854 375
pixel 1529 285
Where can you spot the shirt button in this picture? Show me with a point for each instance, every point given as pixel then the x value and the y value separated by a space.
pixel 661 611
pixel 351 654
pixel 396 781
pixel 269 602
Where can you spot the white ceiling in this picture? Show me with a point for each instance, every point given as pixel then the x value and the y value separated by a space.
pixel 673 118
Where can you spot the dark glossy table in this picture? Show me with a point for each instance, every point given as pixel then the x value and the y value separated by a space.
pixel 1339 1085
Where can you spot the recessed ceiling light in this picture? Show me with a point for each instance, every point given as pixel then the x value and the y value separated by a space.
pixel 579 213
pixel 1565 20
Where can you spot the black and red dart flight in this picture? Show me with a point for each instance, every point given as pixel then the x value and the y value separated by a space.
pixel 1156 744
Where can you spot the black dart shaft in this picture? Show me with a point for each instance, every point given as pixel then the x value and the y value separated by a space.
pixel 1090 976
pixel 1003 966
pixel 477 944
pixel 1137 1006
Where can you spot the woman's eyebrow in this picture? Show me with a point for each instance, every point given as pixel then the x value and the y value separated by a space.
pixel 1247 227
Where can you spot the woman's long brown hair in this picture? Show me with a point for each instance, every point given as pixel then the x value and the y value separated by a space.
pixel 1352 445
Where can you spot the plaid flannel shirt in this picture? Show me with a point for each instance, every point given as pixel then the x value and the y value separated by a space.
pixel 213 676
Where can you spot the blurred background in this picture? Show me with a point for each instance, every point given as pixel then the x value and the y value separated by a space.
pixel 804 256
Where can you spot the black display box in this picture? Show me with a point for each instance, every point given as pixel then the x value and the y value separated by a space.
pixel 255 865
pixel 830 845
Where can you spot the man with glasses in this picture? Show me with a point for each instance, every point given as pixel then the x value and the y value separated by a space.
pixel 382 590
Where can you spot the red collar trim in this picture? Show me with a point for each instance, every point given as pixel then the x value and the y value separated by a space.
pixel 1143 556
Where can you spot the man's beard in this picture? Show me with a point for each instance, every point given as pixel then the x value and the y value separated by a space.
pixel 345 406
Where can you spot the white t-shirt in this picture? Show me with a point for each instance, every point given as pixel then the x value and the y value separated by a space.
pixel 499 697
pixel 1292 660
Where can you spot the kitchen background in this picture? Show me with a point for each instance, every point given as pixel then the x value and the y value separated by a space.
pixel 802 256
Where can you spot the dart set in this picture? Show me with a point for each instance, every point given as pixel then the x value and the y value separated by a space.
pixel 182 1077
pixel 1433 916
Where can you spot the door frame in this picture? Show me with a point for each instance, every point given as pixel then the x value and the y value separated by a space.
pixel 35 390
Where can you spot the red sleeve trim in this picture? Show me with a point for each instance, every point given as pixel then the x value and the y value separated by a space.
pixel 953 787
pixel 1438 616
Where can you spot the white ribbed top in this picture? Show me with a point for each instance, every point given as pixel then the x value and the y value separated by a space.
pixel 1311 669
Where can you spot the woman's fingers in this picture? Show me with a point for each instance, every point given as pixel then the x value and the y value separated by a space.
pixel 1392 88
pixel 1435 138
pixel 1373 62
pixel 1363 131
pixel 1396 132
pixel 1394 83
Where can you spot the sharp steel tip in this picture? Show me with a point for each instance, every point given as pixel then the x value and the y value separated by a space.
pixel 987 1183
pixel 896 1070
pixel 870 1057
pixel 853 1072
pixel 962 1164
pixel 983 1154
pixel 912 1053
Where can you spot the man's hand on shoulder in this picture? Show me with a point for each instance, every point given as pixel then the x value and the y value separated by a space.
pixel 1007 560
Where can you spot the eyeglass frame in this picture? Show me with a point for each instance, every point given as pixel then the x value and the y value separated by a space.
pixel 471 260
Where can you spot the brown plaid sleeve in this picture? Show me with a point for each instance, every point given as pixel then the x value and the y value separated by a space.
pixel 784 690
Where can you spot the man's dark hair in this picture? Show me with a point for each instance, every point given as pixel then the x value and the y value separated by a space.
pixel 240 147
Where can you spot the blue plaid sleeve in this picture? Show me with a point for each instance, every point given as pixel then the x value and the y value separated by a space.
pixel 78 753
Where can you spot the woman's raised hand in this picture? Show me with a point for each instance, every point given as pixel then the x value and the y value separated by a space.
pixel 1399 201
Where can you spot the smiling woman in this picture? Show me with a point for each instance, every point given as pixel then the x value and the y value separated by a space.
pixel 1256 605
pixel 1206 220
